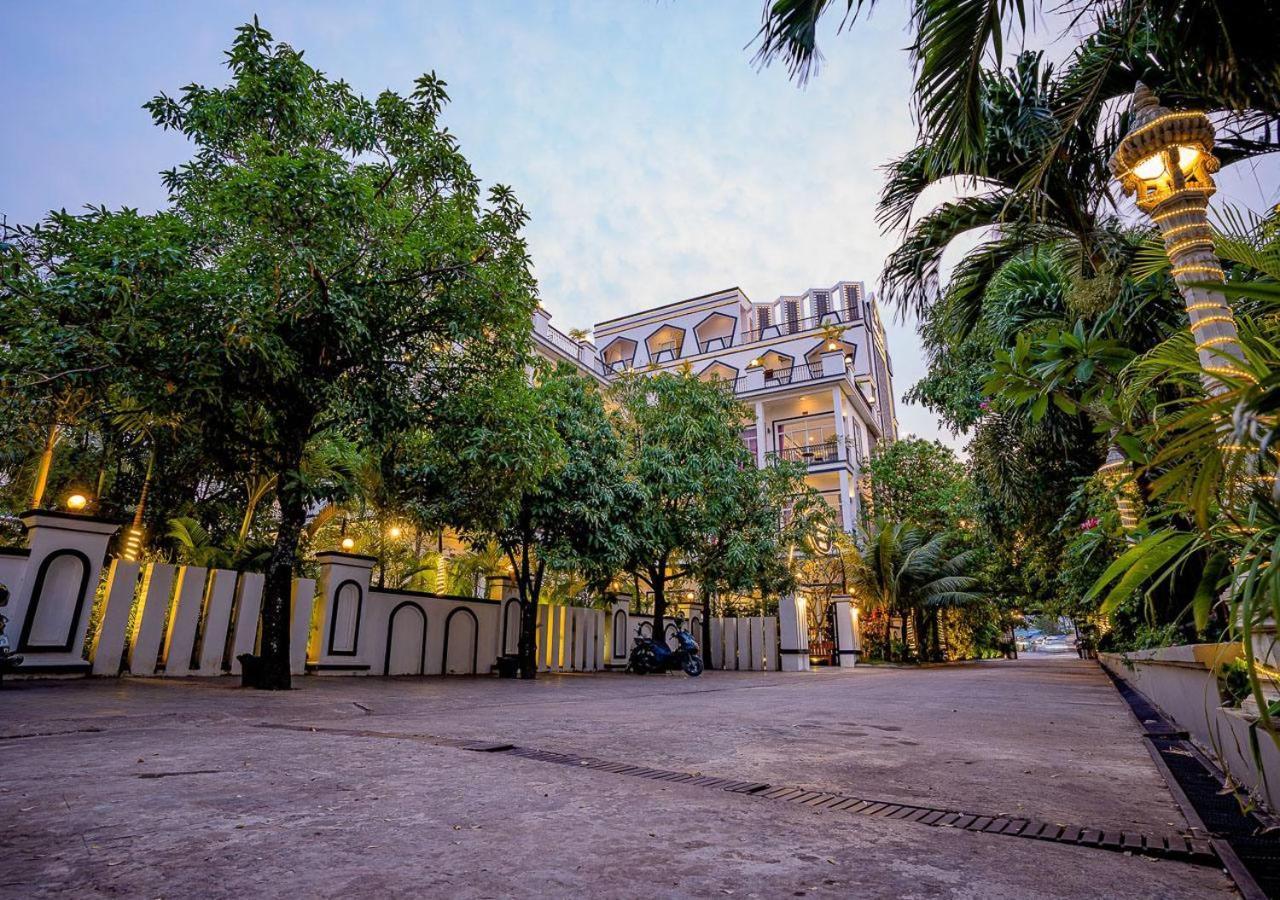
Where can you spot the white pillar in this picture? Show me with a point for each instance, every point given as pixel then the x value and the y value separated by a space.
pixel 794 638
pixel 345 576
pixel 847 517
pixel 846 631
pixel 760 434
pixel 837 412
pixel 49 609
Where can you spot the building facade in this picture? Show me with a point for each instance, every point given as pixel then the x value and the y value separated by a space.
pixel 814 368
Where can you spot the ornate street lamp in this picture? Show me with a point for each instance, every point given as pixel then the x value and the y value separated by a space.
pixel 1166 162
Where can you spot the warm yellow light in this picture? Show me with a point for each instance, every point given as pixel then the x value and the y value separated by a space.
pixel 348 544
pixel 754 362
pixel 394 532
pixel 77 502
pixel 832 345
pixel 1187 157
pixel 1150 168
pixel 131 548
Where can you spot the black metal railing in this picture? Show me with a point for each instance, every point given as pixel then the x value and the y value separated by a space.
pixel 795 326
pixel 827 451
pixel 796 374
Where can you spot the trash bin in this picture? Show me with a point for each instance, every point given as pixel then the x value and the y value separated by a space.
pixel 508 666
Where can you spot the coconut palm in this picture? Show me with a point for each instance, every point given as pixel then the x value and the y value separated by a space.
pixel 1201 53
pixel 901 570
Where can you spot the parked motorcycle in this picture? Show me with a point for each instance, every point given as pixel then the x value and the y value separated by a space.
pixel 652 655
pixel 8 659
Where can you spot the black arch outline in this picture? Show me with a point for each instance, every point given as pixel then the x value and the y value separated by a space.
pixel 630 361
pixel 506 620
pixel 717 362
pixel 391 621
pixel 733 332
pixel 475 641
pixel 38 588
pixel 619 645
pixel 684 334
pixel 333 618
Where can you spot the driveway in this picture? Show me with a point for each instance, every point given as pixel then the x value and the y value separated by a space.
pixel 362 787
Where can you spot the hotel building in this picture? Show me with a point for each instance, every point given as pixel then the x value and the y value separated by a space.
pixel 813 367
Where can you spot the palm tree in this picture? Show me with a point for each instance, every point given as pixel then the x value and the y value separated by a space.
pixel 1201 53
pixel 903 571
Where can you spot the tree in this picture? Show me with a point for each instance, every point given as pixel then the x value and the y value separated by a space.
pixel 754 530
pixel 684 456
pixel 902 570
pixel 533 466
pixel 914 480
pixel 327 263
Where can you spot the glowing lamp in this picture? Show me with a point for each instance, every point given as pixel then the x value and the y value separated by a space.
pixel 348 544
pixel 77 502
pixel 394 532
pixel 1166 164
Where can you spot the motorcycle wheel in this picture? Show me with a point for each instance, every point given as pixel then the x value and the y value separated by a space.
pixel 693 666
pixel 643 660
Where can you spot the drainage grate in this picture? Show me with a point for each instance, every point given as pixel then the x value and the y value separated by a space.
pixel 1218 809
pixel 1174 845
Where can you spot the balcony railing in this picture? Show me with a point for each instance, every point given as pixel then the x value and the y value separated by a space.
pixel 820 454
pixel 795 326
pixel 797 374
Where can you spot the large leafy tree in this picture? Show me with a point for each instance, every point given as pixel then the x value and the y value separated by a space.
pixel 684 456
pixel 533 466
pixel 755 531
pixel 330 265
pixel 914 480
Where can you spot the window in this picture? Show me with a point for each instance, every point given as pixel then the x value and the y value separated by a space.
pixel 852 301
pixel 821 304
pixel 749 438
pixel 808 440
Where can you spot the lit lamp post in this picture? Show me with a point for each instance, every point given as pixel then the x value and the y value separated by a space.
pixel 1166 162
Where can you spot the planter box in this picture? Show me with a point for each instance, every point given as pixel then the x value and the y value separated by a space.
pixel 1182 683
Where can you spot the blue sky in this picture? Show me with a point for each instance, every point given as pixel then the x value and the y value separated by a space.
pixel 656 162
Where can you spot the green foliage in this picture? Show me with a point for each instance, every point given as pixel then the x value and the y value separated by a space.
pixel 914 480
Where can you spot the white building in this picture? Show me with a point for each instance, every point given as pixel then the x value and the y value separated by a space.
pixel 813 366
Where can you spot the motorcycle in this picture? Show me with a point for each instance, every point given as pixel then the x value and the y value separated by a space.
pixel 650 655
pixel 8 659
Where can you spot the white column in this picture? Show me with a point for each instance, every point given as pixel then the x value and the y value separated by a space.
pixel 49 608
pixel 837 412
pixel 760 434
pixel 794 638
pixel 847 518
pixel 846 631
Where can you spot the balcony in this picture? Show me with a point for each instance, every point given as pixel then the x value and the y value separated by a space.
pixel 820 454
pixel 798 326
pixel 796 374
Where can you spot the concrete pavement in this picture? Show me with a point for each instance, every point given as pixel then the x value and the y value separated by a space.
pixel 176 788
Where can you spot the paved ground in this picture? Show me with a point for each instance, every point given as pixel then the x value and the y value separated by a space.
pixel 175 789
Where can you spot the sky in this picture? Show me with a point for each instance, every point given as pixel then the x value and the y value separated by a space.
pixel 655 160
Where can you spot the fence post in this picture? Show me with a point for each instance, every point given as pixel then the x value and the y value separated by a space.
pixel 846 630
pixel 795 633
pixel 107 649
pixel 344 610
pixel 49 608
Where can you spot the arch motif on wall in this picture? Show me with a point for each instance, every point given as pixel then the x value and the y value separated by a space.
pixel 391 622
pixel 333 618
pixel 646 629
pixel 506 624
pixel 475 640
pixel 619 634
pixel 37 594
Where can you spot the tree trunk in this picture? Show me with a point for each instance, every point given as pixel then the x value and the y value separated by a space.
pixel 706 628
pixel 140 510
pixel 269 671
pixel 46 463
pixel 529 581
pixel 659 584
